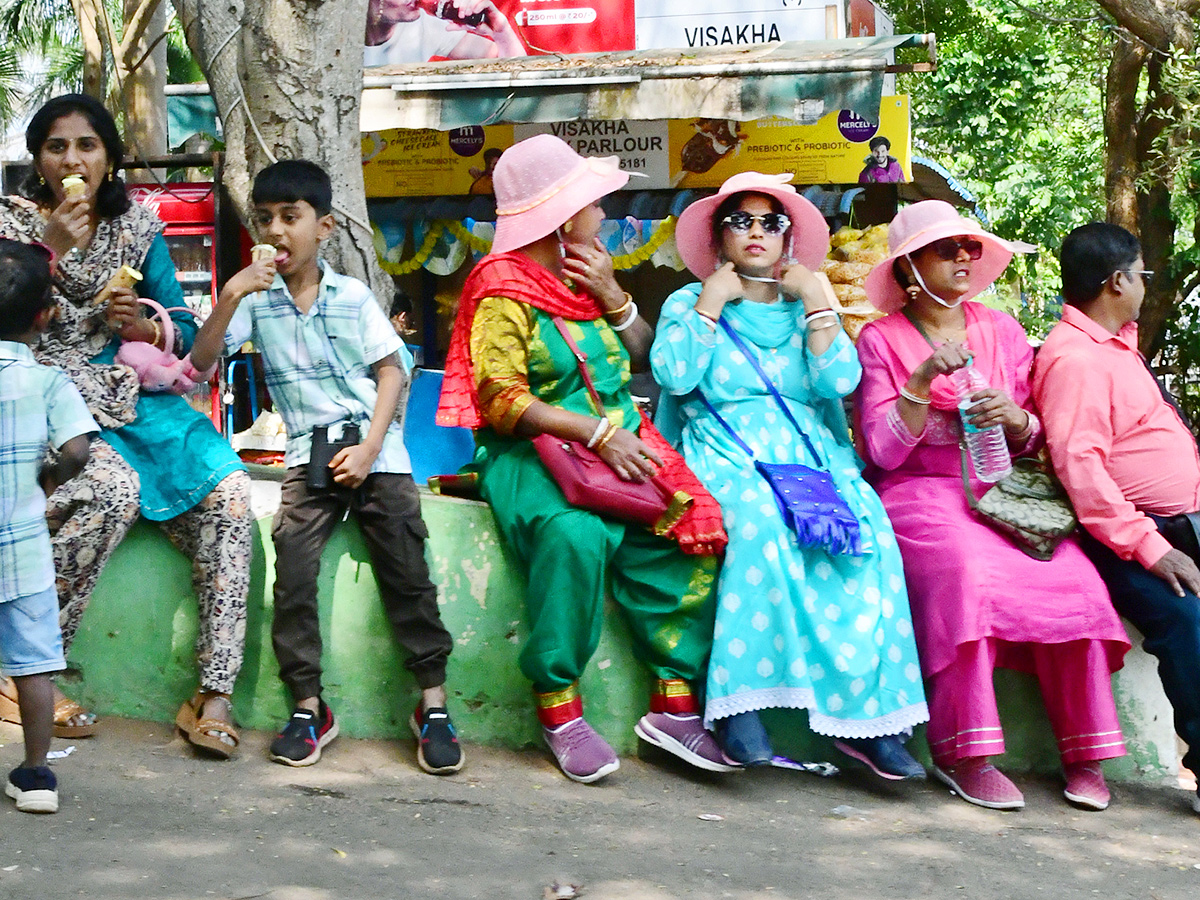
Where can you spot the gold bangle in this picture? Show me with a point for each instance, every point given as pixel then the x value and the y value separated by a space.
pixel 712 318
pixel 158 333
pixel 604 440
pixel 913 398
pixel 620 311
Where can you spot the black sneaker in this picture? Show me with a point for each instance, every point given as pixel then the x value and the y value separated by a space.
pixel 35 790
pixel 300 742
pixel 438 752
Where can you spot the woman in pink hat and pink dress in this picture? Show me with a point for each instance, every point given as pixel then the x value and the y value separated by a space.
pixel 511 375
pixel 821 629
pixel 978 601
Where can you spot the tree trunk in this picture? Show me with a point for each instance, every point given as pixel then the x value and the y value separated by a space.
pixel 287 79
pixel 144 89
pixel 86 11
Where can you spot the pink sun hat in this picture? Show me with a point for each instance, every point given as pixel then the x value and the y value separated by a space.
pixel 809 234
pixel 921 224
pixel 541 182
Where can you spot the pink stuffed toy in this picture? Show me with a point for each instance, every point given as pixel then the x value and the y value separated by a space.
pixel 160 370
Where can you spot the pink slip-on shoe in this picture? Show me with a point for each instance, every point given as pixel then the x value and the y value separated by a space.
pixel 685 737
pixel 1085 786
pixel 977 781
pixel 582 754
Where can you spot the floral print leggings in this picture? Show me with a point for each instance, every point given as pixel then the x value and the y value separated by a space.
pixel 90 515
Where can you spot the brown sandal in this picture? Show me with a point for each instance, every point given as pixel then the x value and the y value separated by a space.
pixel 197 729
pixel 64 710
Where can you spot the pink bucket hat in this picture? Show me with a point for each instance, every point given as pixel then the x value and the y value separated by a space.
pixel 541 182
pixel 919 226
pixel 694 234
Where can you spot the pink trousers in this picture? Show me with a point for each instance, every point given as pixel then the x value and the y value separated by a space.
pixel 1076 687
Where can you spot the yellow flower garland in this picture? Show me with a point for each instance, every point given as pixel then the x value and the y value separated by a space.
pixel 663 233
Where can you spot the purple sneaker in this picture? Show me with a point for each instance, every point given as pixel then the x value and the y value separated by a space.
pixel 685 737
pixel 581 753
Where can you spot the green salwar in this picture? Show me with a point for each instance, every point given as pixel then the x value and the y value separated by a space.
pixel 573 556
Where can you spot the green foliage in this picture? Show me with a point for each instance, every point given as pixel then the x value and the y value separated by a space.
pixel 1015 111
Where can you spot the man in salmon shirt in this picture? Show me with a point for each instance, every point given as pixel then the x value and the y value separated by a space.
pixel 1127 459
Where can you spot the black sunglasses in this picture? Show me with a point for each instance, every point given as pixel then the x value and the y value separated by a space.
pixel 948 248
pixel 741 222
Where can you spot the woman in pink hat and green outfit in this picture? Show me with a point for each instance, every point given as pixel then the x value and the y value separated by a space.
pixel 511 375
pixel 798 627
pixel 978 601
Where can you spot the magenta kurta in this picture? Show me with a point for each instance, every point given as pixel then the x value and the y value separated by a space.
pixel 966 582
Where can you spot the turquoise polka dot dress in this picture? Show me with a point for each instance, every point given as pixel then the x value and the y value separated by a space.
pixel 796 627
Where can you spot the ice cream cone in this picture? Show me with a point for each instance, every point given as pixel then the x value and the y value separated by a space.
pixel 74 185
pixel 262 252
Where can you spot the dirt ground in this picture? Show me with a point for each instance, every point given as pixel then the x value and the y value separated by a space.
pixel 143 817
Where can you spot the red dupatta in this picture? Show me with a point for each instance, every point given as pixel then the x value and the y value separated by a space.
pixel 516 276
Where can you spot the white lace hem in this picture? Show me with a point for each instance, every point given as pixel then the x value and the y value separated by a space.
pixel 900 721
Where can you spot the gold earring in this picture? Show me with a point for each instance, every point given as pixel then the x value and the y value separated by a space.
pixel 41 181
pixel 567 226
pixel 912 290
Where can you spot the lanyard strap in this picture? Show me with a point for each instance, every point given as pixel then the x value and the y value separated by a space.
pixel 581 361
pixel 752 358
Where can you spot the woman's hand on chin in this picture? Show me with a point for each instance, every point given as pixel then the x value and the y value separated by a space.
pixel 801 283
pixel 629 457
pixel 592 269
pixel 721 287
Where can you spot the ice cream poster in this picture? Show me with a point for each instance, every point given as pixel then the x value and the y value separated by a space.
pixel 842 148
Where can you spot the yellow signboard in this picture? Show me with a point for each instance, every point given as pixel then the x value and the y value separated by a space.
pixel 836 150
pixel 682 153
pixel 428 163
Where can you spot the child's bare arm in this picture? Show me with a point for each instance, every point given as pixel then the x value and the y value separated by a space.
pixel 352 465
pixel 72 457
pixel 210 339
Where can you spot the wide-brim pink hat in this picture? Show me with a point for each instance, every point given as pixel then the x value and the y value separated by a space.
pixel 918 226
pixel 809 233
pixel 541 182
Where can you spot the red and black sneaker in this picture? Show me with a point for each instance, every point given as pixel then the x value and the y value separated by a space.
pixel 300 742
pixel 438 752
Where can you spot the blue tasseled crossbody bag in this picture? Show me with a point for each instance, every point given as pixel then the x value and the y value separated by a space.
pixel 808 498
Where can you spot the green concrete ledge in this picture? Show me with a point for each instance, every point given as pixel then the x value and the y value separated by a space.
pixel 135 652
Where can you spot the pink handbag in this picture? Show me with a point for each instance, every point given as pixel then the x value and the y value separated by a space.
pixel 161 370
pixel 590 483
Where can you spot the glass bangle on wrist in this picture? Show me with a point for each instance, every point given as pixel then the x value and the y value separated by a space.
pixel 602 425
pixel 913 398
pixel 620 310
pixel 629 319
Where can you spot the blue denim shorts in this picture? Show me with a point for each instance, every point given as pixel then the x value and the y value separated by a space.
pixel 30 639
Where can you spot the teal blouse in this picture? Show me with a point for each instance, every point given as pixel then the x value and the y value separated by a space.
pixel 178 454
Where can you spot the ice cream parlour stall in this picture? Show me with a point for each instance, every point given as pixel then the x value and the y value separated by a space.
pixel 809 108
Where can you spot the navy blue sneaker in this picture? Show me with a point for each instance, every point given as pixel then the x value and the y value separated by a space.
pixel 35 790
pixel 886 756
pixel 744 740
pixel 300 742
pixel 438 752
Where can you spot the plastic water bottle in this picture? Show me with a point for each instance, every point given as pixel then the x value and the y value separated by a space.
pixel 987 447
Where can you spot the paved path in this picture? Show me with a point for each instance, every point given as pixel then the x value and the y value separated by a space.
pixel 142 817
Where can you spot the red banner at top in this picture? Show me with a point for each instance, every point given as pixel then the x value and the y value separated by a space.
pixel 403 32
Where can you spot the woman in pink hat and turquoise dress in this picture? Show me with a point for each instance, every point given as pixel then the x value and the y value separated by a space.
pixel 511 375
pixel 797 627
pixel 978 601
